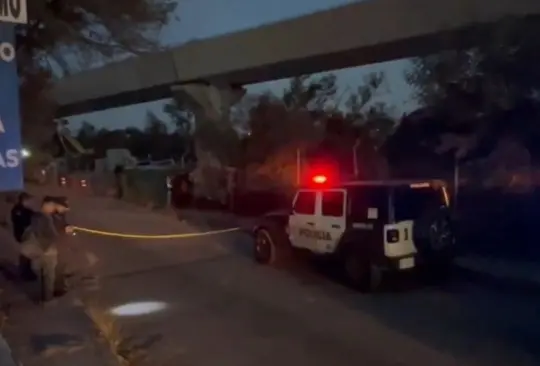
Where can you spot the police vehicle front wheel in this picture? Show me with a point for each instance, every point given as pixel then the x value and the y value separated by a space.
pixel 269 247
pixel 361 274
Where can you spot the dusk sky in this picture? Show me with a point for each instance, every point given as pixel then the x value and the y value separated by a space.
pixel 199 19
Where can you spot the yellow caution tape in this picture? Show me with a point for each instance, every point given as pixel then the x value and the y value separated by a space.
pixel 142 236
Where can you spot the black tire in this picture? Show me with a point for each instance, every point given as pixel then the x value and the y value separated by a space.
pixel 436 253
pixel 360 273
pixel 271 246
pixel 435 238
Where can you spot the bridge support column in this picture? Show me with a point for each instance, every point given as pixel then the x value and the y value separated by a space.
pixel 211 106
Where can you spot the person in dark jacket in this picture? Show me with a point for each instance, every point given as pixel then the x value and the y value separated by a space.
pixel 119 180
pixel 21 215
pixel 21 218
pixel 42 247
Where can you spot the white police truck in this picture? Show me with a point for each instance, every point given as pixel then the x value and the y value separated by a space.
pixel 370 227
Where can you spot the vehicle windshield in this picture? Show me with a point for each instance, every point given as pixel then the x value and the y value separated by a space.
pixel 410 203
pixel 363 197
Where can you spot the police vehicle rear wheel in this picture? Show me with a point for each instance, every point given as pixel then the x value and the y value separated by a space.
pixel 434 233
pixel 437 246
pixel 361 274
pixel 268 249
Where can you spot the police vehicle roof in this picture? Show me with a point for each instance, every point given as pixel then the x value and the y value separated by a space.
pixel 394 183
pixel 381 183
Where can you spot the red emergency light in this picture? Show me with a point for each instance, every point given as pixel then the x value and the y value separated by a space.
pixel 319 179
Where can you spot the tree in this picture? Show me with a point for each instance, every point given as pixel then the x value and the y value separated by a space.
pixel 240 113
pixel 290 121
pixel 67 35
pixel 154 126
pixel 280 128
pixel 86 134
pixel 180 116
pixel 183 120
pixel 358 130
pixel 137 143
pixel 371 119
pixel 412 148
pixel 484 93
pixel 70 32
pixel 306 92
pixel 309 119
pixel 273 127
pixel 156 135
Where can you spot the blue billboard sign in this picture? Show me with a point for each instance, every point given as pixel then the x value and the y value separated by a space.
pixel 11 173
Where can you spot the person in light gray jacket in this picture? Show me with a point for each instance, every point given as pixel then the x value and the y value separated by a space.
pixel 6 357
pixel 42 247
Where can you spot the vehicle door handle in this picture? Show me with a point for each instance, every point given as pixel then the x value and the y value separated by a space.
pixel 310 223
pixel 336 227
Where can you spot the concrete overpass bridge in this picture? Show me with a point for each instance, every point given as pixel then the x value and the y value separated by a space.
pixel 358 34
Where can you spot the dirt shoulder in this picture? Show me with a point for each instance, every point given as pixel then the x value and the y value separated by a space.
pixel 58 333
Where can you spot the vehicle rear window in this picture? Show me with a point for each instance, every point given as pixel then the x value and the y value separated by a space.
pixel 364 198
pixel 412 203
pixel 332 203
pixel 305 203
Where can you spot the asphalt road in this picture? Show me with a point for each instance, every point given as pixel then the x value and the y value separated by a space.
pixel 222 309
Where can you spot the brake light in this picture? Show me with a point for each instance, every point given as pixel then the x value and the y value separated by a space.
pixel 320 179
pixel 392 236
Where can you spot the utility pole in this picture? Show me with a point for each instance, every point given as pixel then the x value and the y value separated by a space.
pixel 298 167
pixel 168 183
pixel 355 158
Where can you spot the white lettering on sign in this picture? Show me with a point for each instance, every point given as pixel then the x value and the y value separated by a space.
pixel 13 11
pixel 7 51
pixel 9 159
pixel 2 129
